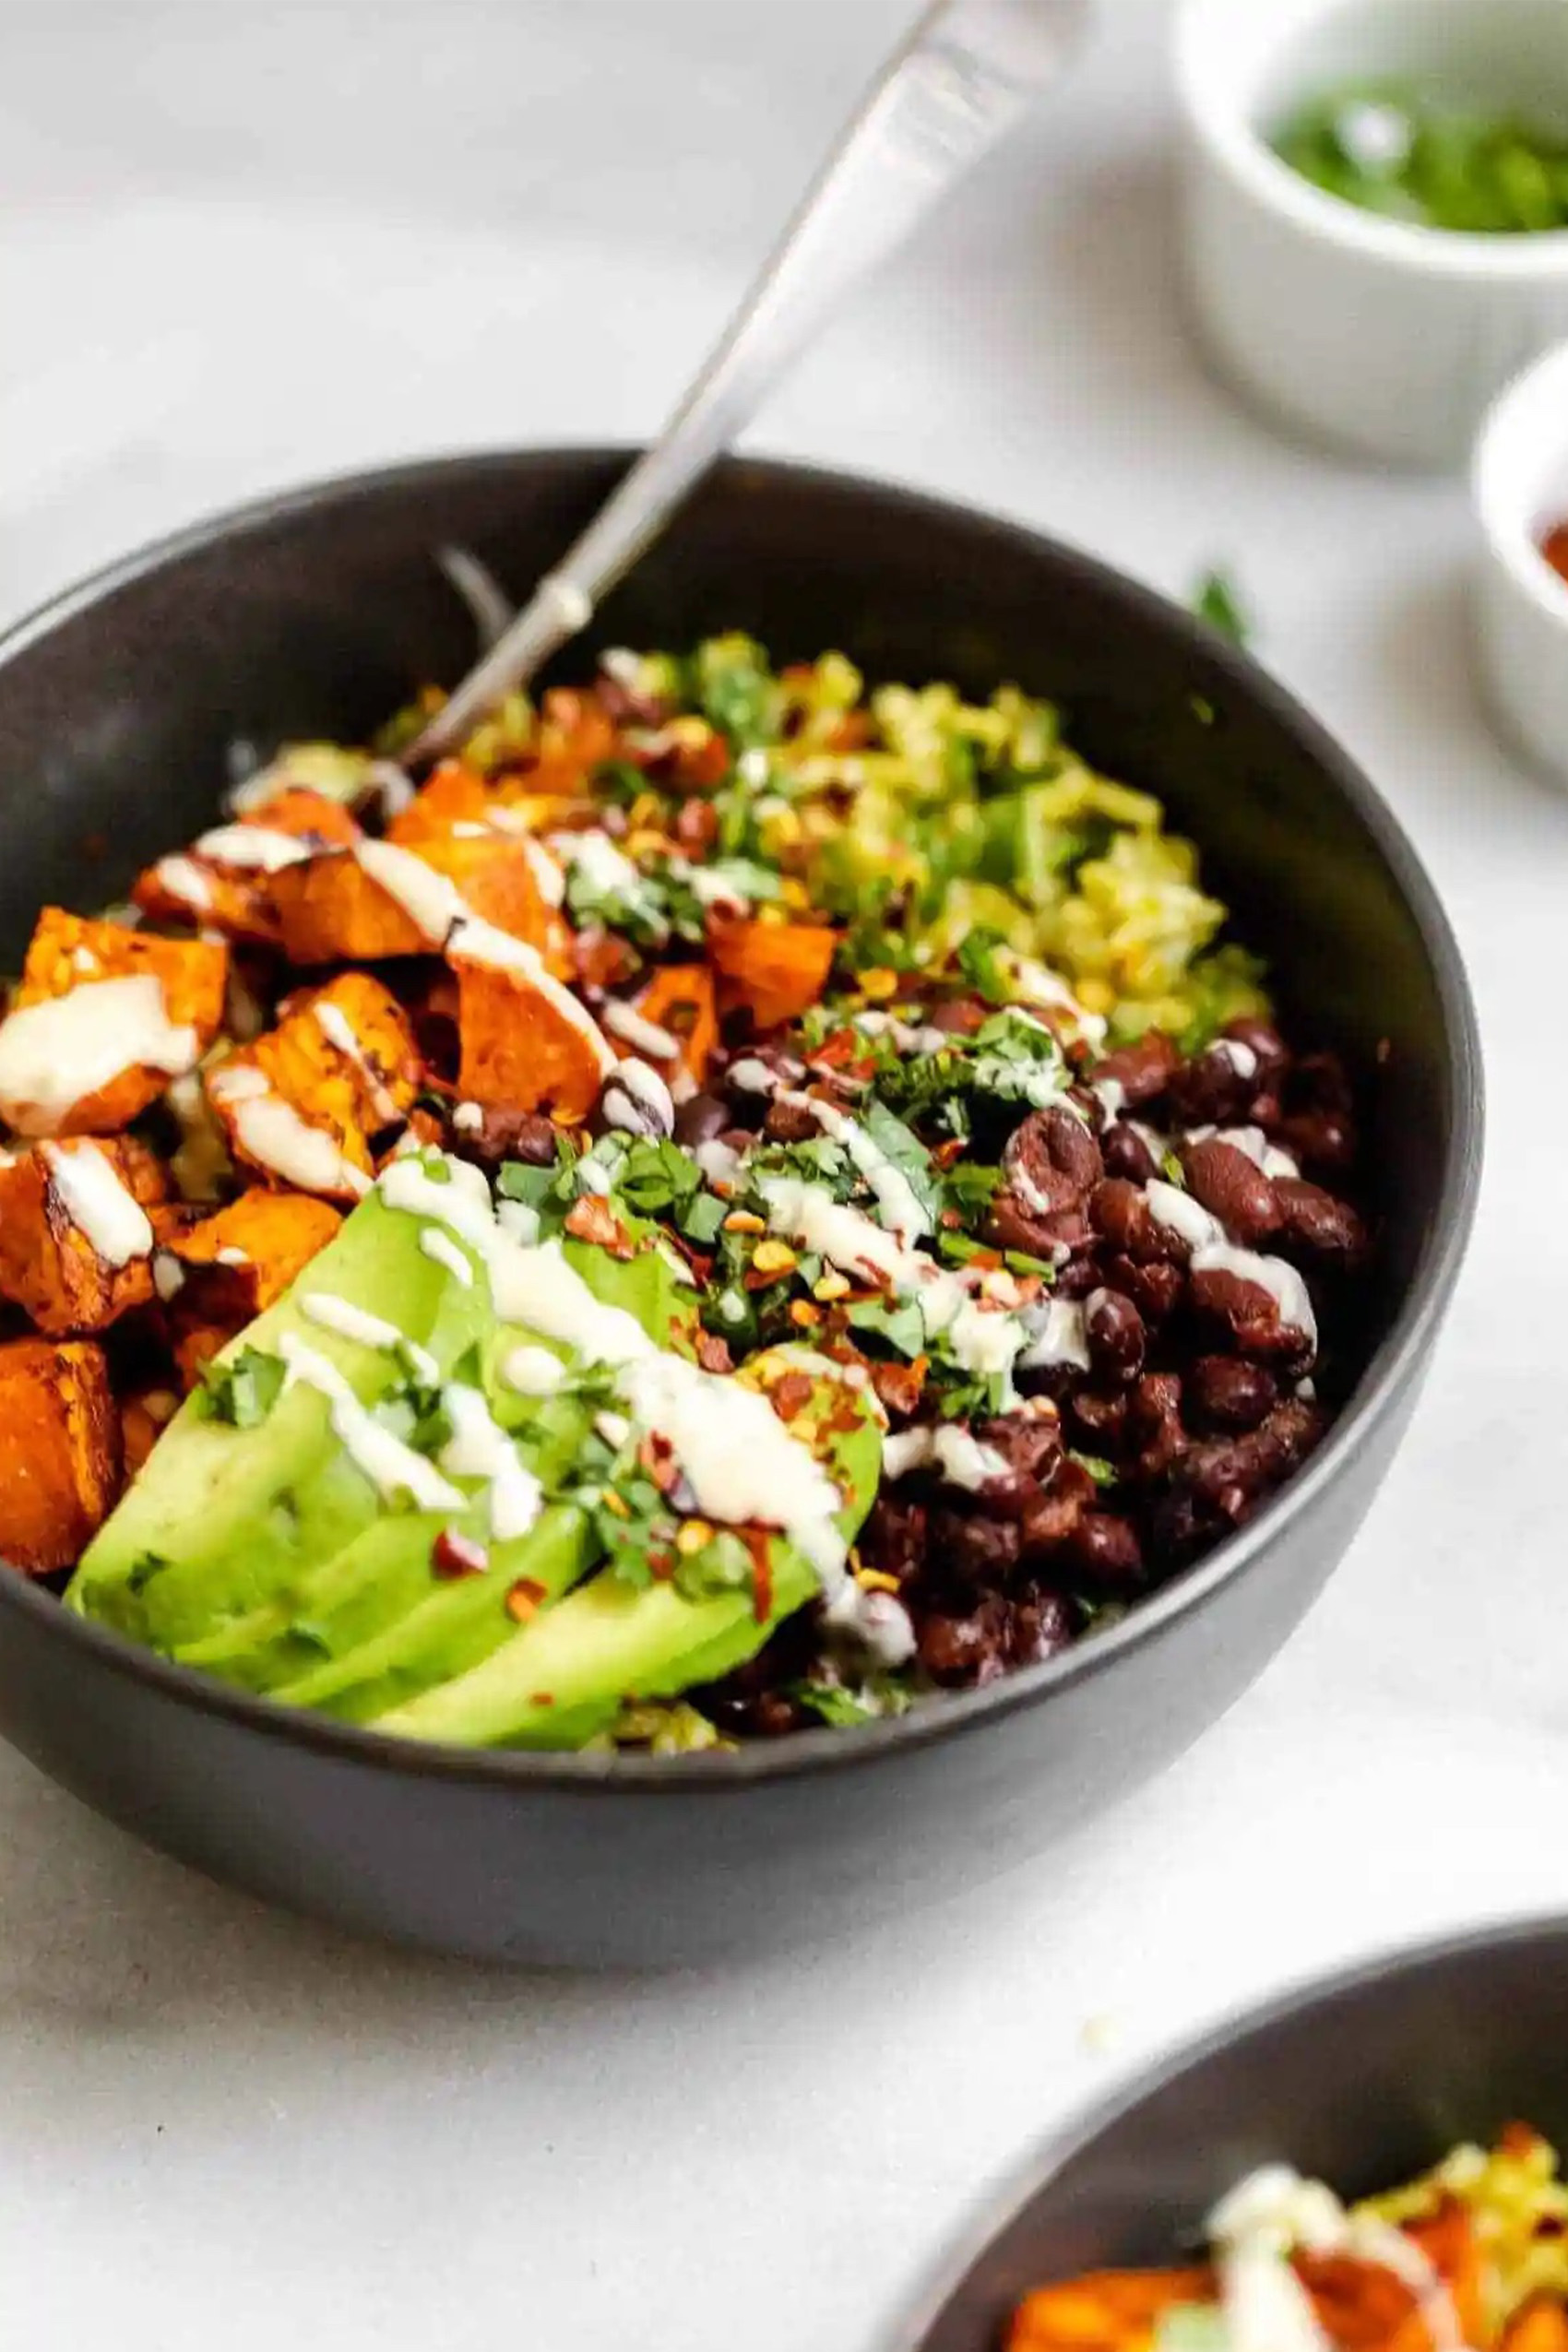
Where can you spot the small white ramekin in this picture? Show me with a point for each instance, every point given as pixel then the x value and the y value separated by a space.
pixel 1376 336
pixel 1520 485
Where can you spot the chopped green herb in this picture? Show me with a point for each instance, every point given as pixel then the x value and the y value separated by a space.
pixel 243 1391
pixel 1217 601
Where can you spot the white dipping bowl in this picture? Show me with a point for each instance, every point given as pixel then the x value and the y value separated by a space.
pixel 1521 489
pixel 1376 336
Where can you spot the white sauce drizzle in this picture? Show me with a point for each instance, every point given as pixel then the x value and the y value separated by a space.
pixel 249 848
pixel 1270 1157
pixel 875 1624
pixel 479 1448
pixel 624 1020
pixel 270 1132
pixel 369 1331
pixel 959 1456
pixel 168 1275
pixel 391 1467
pixel 895 1195
pixel 1180 1213
pixel 548 878
pixel 533 1372
pixel 442 1248
pixel 603 867
pixel 99 1205
pixel 1058 1335
pixel 468 1118
pixel 1275 1276
pixel 337 1028
pixel 184 880
pixel 54 1053
pixel 1260 2222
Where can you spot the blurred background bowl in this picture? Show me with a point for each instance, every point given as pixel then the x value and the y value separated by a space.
pixel 1381 337
pixel 318 615
pixel 1521 492
pixel 1361 2081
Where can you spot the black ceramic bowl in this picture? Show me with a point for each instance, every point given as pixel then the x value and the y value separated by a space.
pixel 1361 2082
pixel 315 615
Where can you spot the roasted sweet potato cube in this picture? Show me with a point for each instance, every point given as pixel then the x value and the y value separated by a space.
pixel 104 1018
pixel 75 1240
pixel 303 1103
pixel 777 971
pixel 527 1043
pixel 218 1275
pixel 60 1433
pixel 224 882
pixel 1104 2310
pixel 452 795
pixel 1538 2325
pixel 332 911
pixel 679 1001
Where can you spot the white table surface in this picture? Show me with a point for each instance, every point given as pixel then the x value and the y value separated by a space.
pixel 224 245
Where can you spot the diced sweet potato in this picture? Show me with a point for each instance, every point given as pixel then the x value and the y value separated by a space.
pixel 229 1267
pixel 1538 2325
pixel 343 1062
pixel 678 999
pixel 452 795
pixel 1104 2310
pixel 228 893
pixel 332 912
pixel 526 1046
pixel 76 1244
pixel 60 1435
pixel 1447 2238
pixel 69 956
pixel 777 971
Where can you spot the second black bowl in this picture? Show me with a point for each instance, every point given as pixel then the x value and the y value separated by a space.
pixel 317 615
pixel 1363 2081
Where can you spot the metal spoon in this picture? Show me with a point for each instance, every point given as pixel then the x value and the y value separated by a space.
pixel 965 75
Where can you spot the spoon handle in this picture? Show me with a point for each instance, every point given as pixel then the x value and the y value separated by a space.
pixel 966 72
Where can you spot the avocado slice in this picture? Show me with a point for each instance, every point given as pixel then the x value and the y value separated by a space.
pixel 372 1623
pixel 566 1674
pixel 223 1517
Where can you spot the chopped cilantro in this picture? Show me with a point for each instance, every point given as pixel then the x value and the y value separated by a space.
pixel 1216 600
pixel 899 1321
pixel 904 1149
pixel 983 968
pixel 1102 1472
pixel 243 1390
pixel 832 1702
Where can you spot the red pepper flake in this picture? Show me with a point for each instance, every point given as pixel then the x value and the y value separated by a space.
pixel 1554 547
pixel 542 1698
pixel 898 1386
pixel 591 1219
pixel 713 1353
pixel 656 1457
pixel 524 1598
pixel 791 1394
pixel 453 1555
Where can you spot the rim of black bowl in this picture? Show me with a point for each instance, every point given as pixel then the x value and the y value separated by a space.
pixel 1011 2192
pixel 961 1713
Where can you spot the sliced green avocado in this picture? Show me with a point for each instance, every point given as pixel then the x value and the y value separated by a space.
pixel 221 1516
pixel 374 1624
pixel 566 1674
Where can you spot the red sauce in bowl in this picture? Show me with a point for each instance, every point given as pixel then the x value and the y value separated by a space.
pixel 1554 547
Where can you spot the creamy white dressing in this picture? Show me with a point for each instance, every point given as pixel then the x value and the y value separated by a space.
pixel 1180 1213
pixel 442 1249
pixel 370 1330
pixel 54 1053
pixel 88 1187
pixel 1111 1095
pixel 624 1020
pixel 231 1256
pixel 201 1162
pixel 533 1372
pixel 337 1028
pixel 252 848
pixel 479 1448
pixel 753 1075
pixel 1276 1275
pixel 719 1161
pixel 168 1275
pixel 876 1625
pixel 269 1131
pixel 1035 984
pixel 644 1089
pixel 1058 1334
pixel 392 1467
pixel 595 856
pixel 182 879
pixel 1039 1084
pixel 548 878
pixel 1270 1157
pixel 1242 1058
pixel 468 1118
pixel 961 1457
pixel 1270 2214
pixel 895 1195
